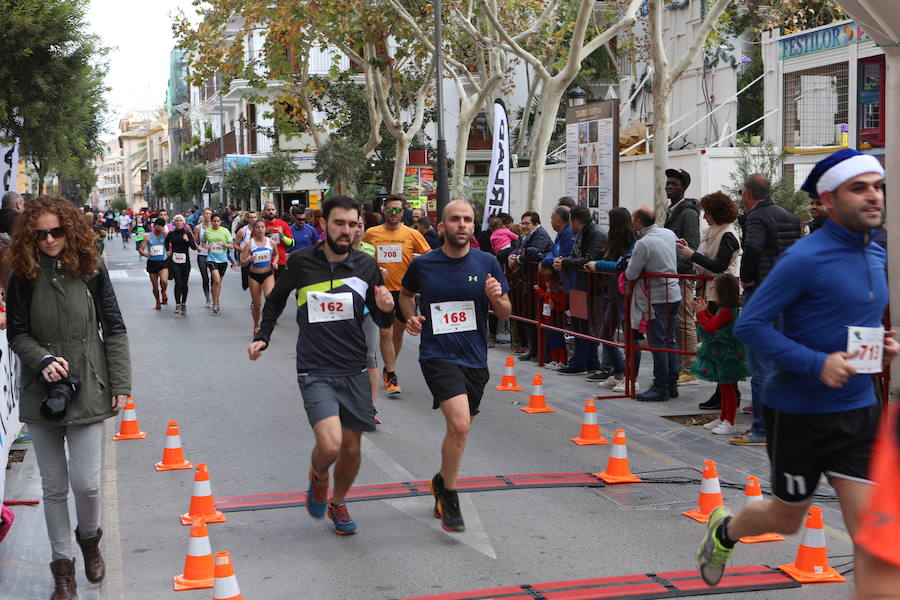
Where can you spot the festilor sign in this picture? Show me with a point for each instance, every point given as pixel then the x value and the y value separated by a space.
pixel 817 40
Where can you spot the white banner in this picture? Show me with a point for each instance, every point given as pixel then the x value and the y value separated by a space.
pixel 9 167
pixel 497 197
pixel 9 403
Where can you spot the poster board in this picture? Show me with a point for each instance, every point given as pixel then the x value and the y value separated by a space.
pixel 418 182
pixel 9 403
pixel 592 157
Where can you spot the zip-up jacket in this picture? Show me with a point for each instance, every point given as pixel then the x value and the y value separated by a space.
pixel 330 348
pixel 768 230
pixel 821 285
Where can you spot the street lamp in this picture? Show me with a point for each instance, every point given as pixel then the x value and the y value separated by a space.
pixel 577 96
pixel 443 185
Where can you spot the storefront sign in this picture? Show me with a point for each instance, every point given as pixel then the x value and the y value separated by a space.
pixel 827 38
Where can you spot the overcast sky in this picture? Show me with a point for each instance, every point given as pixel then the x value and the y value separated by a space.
pixel 140 34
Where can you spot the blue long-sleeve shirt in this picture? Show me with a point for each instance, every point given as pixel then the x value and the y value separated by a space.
pixel 821 285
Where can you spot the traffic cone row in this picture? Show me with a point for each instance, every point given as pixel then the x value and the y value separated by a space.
pixel 811 564
pixel 129 428
pixel 710 494
pixel 508 383
pixel 617 470
pixel 536 403
pixel 590 429
pixel 173 455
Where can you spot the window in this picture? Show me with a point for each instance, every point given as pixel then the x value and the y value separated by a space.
pixel 871 101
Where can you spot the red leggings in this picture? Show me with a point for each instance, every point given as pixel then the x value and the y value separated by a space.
pixel 728 394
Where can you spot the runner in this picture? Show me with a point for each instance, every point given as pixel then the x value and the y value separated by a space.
pixel 109 223
pixel 164 215
pixel 458 285
pixel 334 284
pixel 178 244
pixel 369 326
pixel 217 240
pixel 821 410
pixel 280 233
pixel 259 258
pixel 396 246
pixel 153 247
pixel 139 230
pixel 242 237
pixel 125 228
pixel 202 253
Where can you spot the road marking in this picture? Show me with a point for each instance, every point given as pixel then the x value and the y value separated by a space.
pixel 475 536
pixel 118 274
pixel 113 587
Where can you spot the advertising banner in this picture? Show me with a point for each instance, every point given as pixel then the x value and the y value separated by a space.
pixel 9 165
pixel 9 403
pixel 497 195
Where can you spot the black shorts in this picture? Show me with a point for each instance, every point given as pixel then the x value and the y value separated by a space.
pixel 259 277
pixel 221 267
pixel 446 380
pixel 802 447
pixel 155 266
pixel 397 312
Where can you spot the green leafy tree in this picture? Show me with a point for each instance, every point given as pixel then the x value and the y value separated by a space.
pixel 192 179
pixel 276 170
pixel 341 163
pixel 766 159
pixel 242 182
pixel 119 203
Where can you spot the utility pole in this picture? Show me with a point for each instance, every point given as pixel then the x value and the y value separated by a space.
pixel 222 194
pixel 443 185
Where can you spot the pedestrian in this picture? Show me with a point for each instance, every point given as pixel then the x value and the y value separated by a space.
pixel 396 246
pixel 179 243
pixel 719 252
pixel 768 230
pixel 587 247
pixel 683 217
pixel 423 226
pixel 153 248
pixel 280 234
pixel 458 285
pixel 335 285
pixel 260 258
pixel 304 234
pixel 204 223
pixel 817 215
pixel 523 261
pixel 125 223
pixel 11 207
pixel 242 235
pixel 820 407
pixel 721 358
pixel 655 302
pixel 76 372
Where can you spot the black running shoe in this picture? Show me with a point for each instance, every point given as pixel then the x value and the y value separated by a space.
pixel 437 488
pixel 451 516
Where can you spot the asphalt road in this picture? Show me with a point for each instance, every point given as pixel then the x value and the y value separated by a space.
pixel 245 419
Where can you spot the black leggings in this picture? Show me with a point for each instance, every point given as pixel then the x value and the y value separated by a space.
pixel 204 274
pixel 180 273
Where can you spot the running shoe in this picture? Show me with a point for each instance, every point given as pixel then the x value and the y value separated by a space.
pixel 183 309
pixel 165 298
pixel 177 309
pixel 713 424
pixel 600 376
pixel 158 306
pixel 343 524
pixel 747 409
pixel 712 554
pixel 620 387
pixel 571 371
pixel 748 439
pixel 685 378
pixel 653 395
pixel 393 386
pixel 725 428
pixel 451 516
pixel 384 377
pixel 208 303
pixel 437 489
pixel 316 495
pixel 612 383
pixel 378 421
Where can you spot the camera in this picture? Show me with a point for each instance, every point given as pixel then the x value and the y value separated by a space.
pixel 59 395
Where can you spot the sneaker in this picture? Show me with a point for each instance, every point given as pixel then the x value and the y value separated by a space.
pixel 748 439
pixel 571 371
pixel 620 387
pixel 378 421
pixel 714 402
pixel 528 356
pixel 725 428
pixel 747 409
pixel 600 376
pixel 713 424
pixel 673 391
pixel 520 350
pixel 165 298
pixel 158 306
pixel 613 382
pixel 653 395
pixel 393 387
pixel 552 365
pixel 384 377
pixel 177 309
pixel 686 378
pixel 183 309
pixel 712 554
pixel 451 516
pixel 437 489
pixel 208 303
pixel 343 524
pixel 316 496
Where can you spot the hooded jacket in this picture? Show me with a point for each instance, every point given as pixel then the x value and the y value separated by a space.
pixel 768 230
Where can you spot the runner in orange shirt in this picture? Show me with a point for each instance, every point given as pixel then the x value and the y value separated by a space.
pixel 395 247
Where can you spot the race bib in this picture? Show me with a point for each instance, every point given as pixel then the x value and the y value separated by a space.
pixel 157 250
pixel 215 247
pixel 324 307
pixel 262 256
pixel 179 258
pixel 869 343
pixel 390 253
pixel 453 317
pixel 546 310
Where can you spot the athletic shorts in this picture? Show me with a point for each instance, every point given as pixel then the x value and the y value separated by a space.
pixel 803 447
pixel 259 277
pixel 447 379
pixel 155 266
pixel 397 311
pixel 221 267
pixel 348 397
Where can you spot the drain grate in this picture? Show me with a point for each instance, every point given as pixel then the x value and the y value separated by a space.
pixel 651 495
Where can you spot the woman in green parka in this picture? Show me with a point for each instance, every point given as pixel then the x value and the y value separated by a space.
pixel 64 324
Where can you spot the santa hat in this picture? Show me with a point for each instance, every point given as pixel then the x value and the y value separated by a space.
pixel 830 172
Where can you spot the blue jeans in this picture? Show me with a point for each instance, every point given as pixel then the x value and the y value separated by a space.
pixel 585 355
pixel 662 333
pixel 760 369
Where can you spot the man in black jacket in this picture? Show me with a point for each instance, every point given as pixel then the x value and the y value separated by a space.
pixel 534 245
pixel 683 218
pixel 768 230
pixel 587 246
pixel 9 211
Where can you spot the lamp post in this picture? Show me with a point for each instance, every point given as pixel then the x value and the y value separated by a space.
pixel 222 194
pixel 443 185
pixel 577 96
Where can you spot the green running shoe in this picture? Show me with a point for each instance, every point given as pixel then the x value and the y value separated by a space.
pixel 712 555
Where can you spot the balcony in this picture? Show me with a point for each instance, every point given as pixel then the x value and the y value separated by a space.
pixel 210 152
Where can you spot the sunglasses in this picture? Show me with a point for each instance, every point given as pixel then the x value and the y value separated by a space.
pixel 56 232
pixel 393 209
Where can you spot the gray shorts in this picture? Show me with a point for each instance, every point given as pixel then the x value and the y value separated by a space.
pixel 349 398
pixel 372 340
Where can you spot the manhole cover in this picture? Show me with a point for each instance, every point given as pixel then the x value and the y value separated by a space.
pixel 677 489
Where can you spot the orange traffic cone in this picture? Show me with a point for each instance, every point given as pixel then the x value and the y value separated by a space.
pixel 811 565
pixel 129 429
pixel 202 503
pixel 173 455
pixel 710 494
pixel 198 563
pixel 536 402
pixel 617 470
pixel 226 584
pixel 753 493
pixel 590 430
pixel 508 383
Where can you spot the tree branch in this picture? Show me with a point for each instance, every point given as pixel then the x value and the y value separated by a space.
pixel 511 43
pixel 699 39
pixel 604 38
pixel 551 8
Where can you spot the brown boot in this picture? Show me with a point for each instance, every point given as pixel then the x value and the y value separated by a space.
pixel 94 568
pixel 64 579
